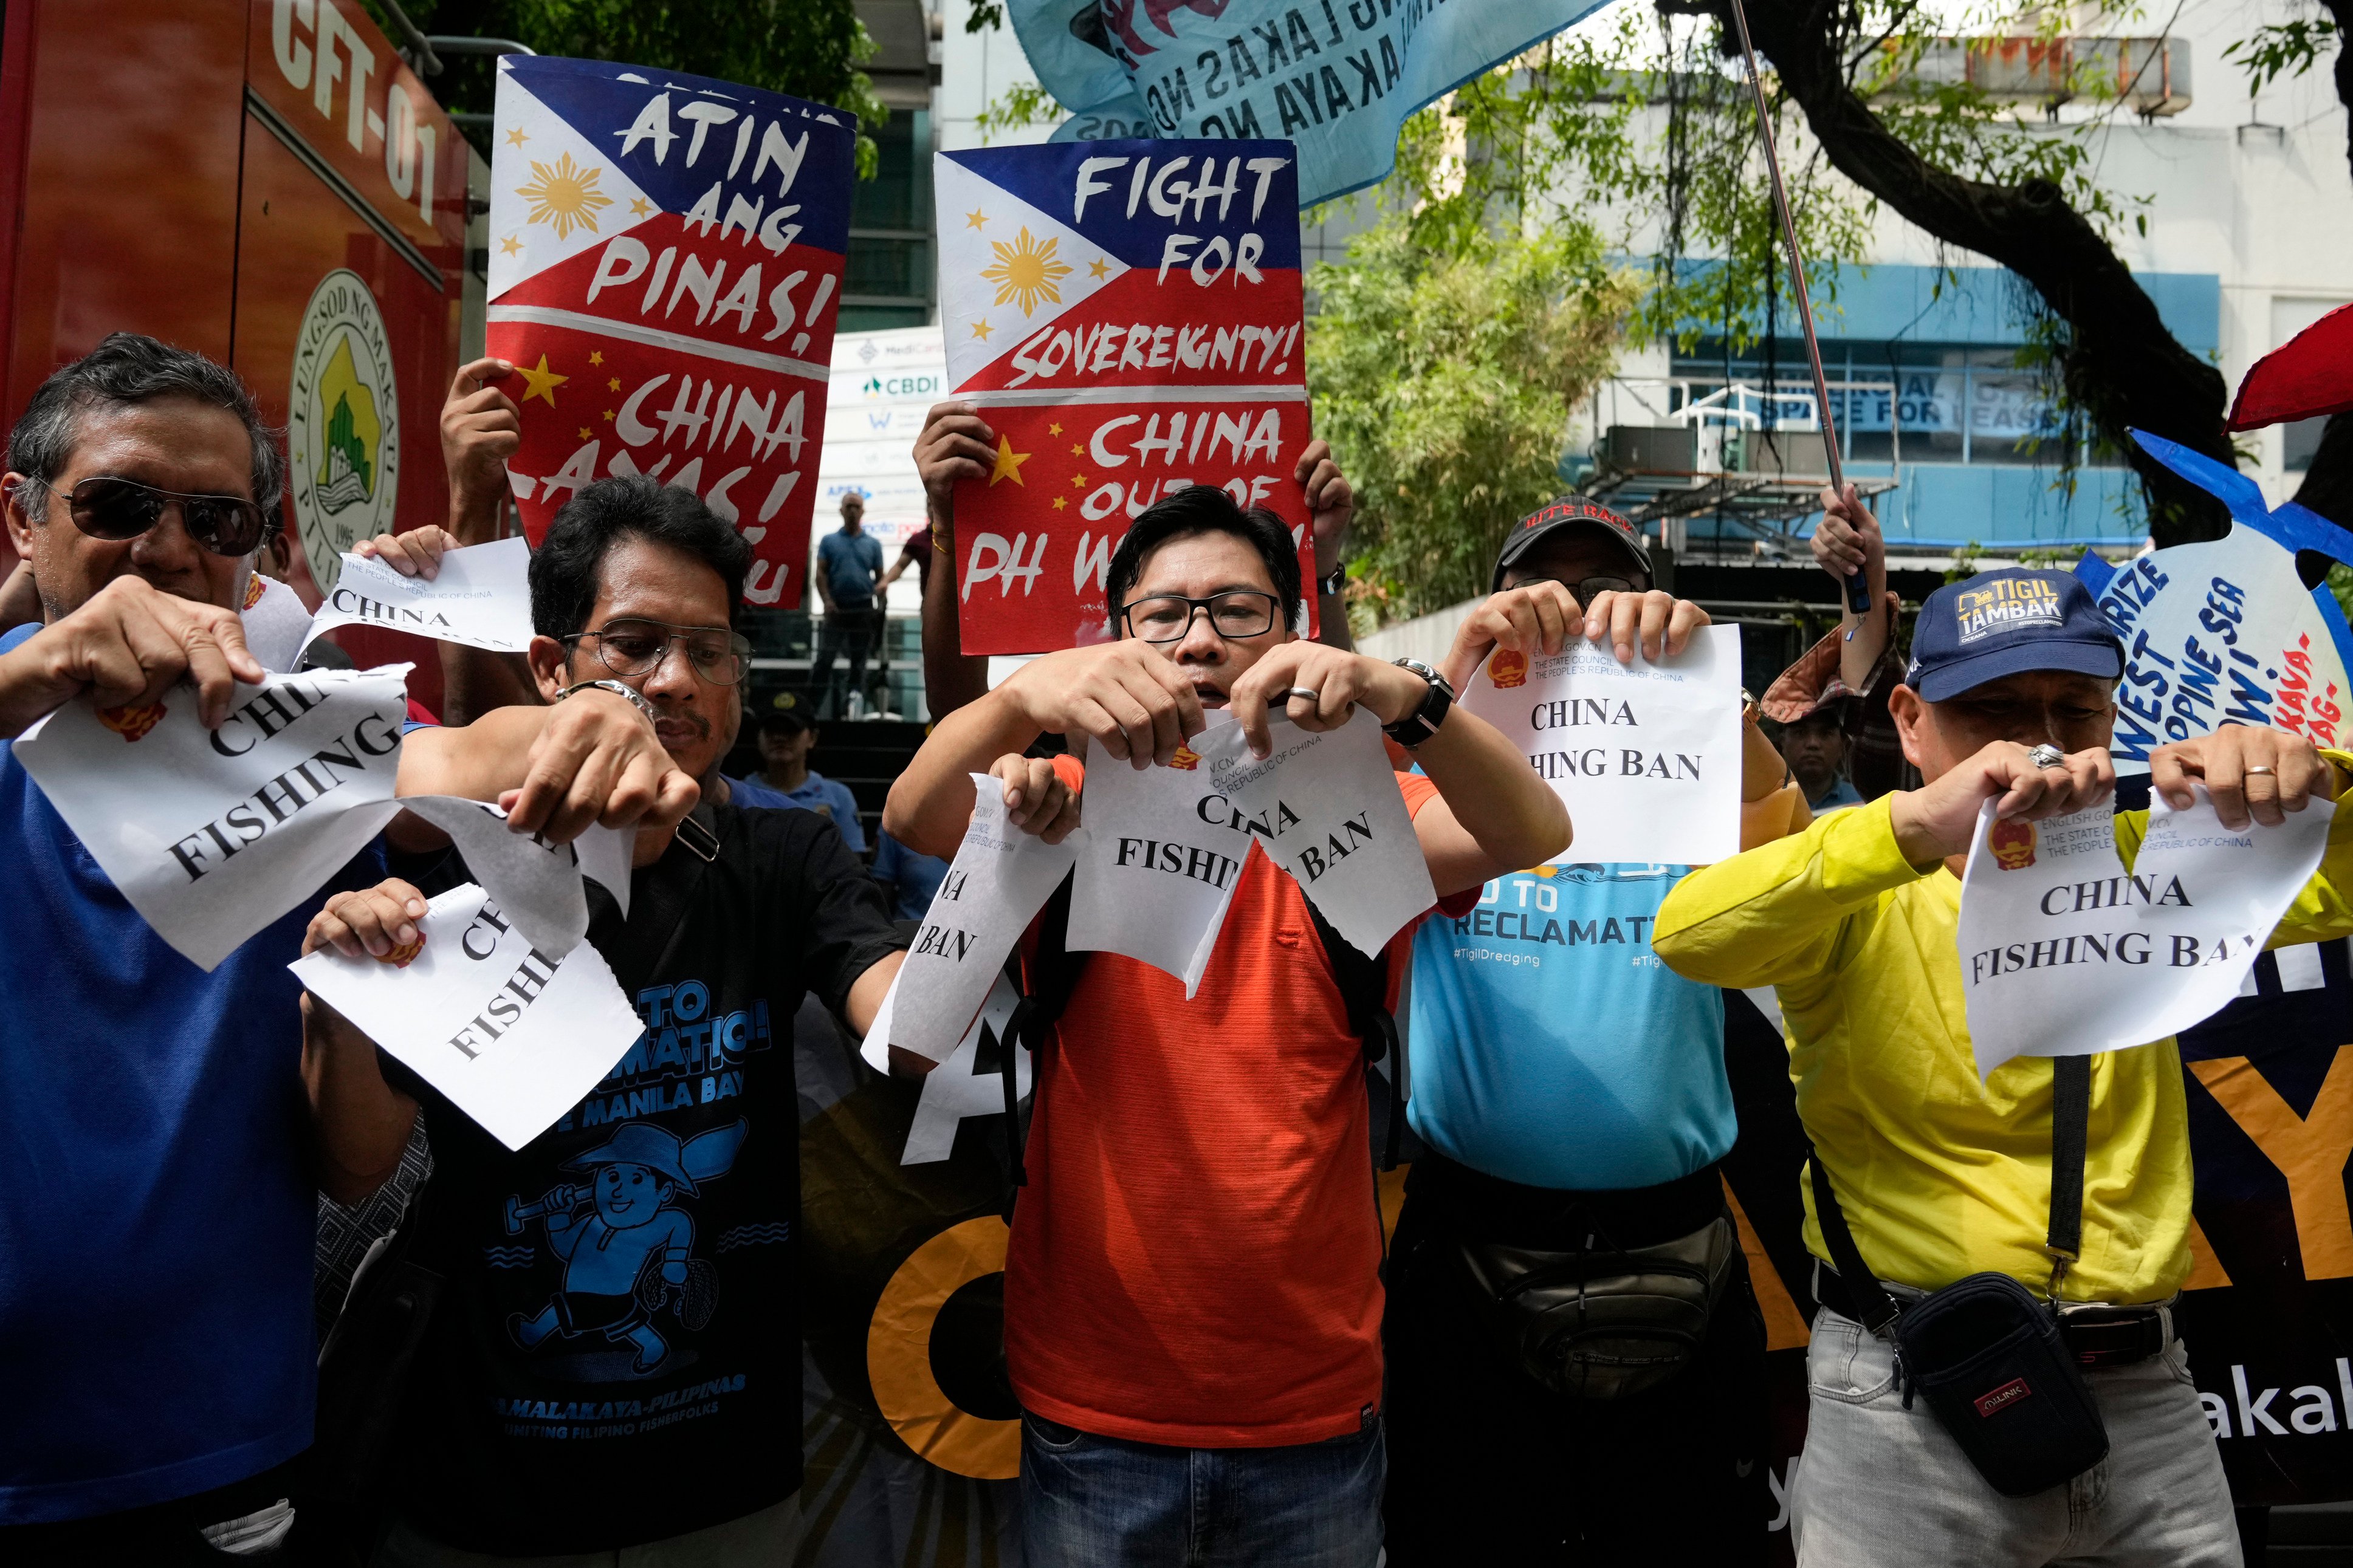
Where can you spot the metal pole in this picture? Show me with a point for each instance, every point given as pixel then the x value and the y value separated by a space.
pixel 1858 592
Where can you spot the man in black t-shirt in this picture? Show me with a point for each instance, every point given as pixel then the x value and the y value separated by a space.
pixel 615 1357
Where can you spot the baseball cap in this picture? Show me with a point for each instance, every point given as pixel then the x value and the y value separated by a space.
pixel 2006 623
pixel 787 715
pixel 1572 511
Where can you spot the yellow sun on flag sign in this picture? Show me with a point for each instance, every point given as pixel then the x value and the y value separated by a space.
pixel 1027 271
pixel 565 196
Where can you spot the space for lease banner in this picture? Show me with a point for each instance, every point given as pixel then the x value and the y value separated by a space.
pixel 666 257
pixel 1127 317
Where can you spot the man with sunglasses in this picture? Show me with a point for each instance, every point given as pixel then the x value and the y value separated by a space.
pixel 1192 1290
pixel 156 1192
pixel 1572 1096
pixel 615 1361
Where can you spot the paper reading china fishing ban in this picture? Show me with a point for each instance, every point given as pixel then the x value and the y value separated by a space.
pixel 2064 952
pixel 666 257
pixel 512 1034
pixel 1647 757
pixel 1127 316
pixel 214 834
pixel 480 596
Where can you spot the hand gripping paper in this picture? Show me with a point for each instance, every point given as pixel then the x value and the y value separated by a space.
pixel 213 834
pixel 513 1034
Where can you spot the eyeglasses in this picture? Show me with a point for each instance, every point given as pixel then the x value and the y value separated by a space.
pixel 104 507
pixel 1168 617
pixel 631 649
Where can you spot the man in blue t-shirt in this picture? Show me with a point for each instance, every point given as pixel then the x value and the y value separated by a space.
pixel 1571 1093
pixel 786 737
pixel 157 1199
pixel 849 565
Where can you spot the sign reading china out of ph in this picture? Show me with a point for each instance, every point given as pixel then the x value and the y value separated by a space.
pixel 1646 756
pixel 2066 953
pixel 1339 76
pixel 1127 318
pixel 665 270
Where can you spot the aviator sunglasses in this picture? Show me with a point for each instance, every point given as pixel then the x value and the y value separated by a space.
pixel 104 507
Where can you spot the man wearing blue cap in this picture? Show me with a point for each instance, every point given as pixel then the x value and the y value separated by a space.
pixel 2008 696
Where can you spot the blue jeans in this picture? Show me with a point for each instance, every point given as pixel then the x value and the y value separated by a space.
pixel 1101 1502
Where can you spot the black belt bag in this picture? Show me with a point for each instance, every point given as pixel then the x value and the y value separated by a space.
pixel 1989 1358
pixel 1602 1324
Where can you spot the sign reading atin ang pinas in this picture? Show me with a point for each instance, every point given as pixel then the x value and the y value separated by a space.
pixel 666 257
pixel 1127 317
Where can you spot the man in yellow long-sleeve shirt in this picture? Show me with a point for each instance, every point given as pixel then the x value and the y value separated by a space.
pixel 1941 1176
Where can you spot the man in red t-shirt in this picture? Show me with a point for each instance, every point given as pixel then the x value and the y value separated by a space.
pixel 1193 1299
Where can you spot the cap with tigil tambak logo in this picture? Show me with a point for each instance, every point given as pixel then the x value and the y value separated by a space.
pixel 2004 622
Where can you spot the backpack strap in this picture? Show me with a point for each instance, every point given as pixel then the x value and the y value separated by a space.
pixel 1364 984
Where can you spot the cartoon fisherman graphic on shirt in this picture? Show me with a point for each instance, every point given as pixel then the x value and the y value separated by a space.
pixel 627 1251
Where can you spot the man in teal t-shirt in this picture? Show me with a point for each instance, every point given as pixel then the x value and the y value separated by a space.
pixel 1570 1090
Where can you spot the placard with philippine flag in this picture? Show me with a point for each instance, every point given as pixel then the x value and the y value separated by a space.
pixel 1127 317
pixel 665 270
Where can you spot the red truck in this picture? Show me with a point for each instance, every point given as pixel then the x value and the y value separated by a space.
pixel 266 183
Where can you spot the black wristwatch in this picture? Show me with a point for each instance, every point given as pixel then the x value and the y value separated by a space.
pixel 1334 581
pixel 1422 724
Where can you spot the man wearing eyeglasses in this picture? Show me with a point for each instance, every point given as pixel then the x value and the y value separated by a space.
pixel 156 1189
pixel 1192 1288
pixel 1572 1095
pixel 615 1361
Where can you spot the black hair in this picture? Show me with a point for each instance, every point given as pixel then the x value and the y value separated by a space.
pixel 1206 509
pixel 565 568
pixel 124 370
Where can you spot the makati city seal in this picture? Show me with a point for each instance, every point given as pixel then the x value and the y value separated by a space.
pixel 342 430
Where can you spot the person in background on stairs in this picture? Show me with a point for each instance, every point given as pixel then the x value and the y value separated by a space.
pixel 788 735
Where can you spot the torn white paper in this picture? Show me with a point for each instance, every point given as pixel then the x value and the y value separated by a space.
pixel 1646 757
pixel 537 884
pixel 1158 864
pixel 2064 954
pixel 1326 807
pixel 276 625
pixel 212 835
pixel 956 1088
pixel 480 596
pixel 513 1035
pixel 1001 877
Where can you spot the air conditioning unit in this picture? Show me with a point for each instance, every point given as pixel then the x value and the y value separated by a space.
pixel 1651 450
pixel 1796 452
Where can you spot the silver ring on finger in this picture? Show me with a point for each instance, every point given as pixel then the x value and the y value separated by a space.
pixel 1302 693
pixel 2047 756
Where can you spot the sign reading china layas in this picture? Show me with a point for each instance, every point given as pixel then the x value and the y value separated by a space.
pixel 666 257
pixel 1127 317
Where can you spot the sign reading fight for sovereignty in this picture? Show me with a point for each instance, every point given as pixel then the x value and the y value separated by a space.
pixel 513 1034
pixel 666 257
pixel 1127 317
pixel 1338 77
pixel 1646 756
pixel 2065 954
